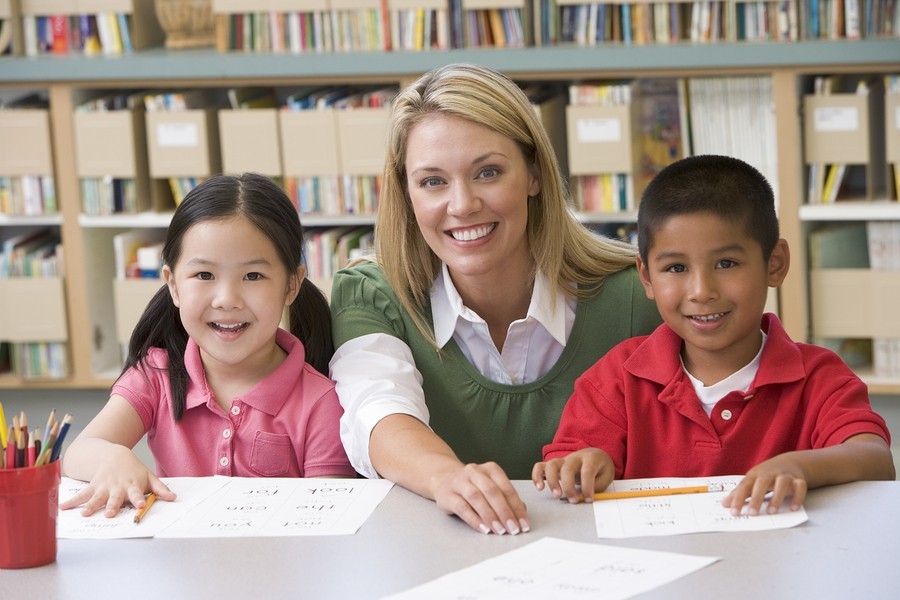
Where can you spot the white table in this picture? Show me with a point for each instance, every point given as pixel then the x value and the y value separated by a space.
pixel 849 548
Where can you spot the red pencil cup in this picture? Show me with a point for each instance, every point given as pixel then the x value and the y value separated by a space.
pixel 29 502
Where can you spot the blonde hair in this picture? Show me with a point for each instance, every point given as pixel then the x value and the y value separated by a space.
pixel 561 246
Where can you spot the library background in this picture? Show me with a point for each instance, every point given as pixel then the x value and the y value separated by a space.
pixel 110 110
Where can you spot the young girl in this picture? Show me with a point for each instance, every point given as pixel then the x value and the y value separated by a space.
pixel 212 380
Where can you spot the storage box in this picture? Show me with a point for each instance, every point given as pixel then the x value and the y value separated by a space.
pixel 130 297
pixel 33 310
pixel 250 141
pixel 601 139
pixel 363 136
pixel 854 303
pixel 183 143
pixel 309 143
pixel 25 147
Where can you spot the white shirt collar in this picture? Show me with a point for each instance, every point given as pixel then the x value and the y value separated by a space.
pixel 447 307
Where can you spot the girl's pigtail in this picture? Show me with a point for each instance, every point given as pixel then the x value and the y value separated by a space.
pixel 160 326
pixel 310 320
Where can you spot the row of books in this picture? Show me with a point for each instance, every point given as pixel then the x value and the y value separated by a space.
pixel 330 249
pixel 434 25
pixel 670 22
pixel 89 34
pixel 28 195
pixel 34 254
pixel 883 239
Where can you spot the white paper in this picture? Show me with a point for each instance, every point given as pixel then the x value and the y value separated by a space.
pixel 190 492
pixel 836 118
pixel 177 135
pixel 600 130
pixel 238 507
pixel 553 568
pixel 684 513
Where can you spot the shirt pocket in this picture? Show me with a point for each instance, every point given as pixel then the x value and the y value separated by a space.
pixel 271 454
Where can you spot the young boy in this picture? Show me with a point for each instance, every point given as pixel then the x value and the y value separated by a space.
pixel 712 391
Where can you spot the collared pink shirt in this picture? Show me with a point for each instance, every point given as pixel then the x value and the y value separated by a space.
pixel 286 426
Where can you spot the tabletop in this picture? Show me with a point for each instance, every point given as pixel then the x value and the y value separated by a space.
pixel 848 548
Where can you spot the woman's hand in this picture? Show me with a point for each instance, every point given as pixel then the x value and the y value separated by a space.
pixel 482 496
pixel 591 468
pixel 122 477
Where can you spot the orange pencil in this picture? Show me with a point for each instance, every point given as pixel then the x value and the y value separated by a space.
pixel 694 489
pixel 140 514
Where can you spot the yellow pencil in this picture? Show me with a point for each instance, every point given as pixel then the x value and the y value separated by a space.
pixel 2 427
pixel 140 514
pixel 694 489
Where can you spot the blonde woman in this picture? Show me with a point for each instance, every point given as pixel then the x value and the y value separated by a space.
pixel 458 347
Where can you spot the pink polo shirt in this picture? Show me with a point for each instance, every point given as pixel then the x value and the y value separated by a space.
pixel 286 426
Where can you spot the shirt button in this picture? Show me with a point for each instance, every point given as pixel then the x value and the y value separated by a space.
pixel 726 414
pixel 223 461
pixel 226 434
pixel 235 410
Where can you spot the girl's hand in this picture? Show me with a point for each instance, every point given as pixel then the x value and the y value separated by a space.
pixel 591 468
pixel 779 475
pixel 482 496
pixel 122 477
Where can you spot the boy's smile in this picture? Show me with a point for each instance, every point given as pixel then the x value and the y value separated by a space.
pixel 710 281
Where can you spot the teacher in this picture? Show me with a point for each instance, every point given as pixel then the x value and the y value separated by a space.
pixel 458 347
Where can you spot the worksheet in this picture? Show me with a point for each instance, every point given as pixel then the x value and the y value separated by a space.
pixel 556 568
pixel 682 513
pixel 190 492
pixel 264 507
pixel 235 507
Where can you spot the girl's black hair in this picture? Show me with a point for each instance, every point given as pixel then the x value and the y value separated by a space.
pixel 259 200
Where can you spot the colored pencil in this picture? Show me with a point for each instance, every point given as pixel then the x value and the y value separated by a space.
pixel 57 445
pixel 2 427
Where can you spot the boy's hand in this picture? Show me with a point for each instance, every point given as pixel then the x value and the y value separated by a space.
pixel 779 475
pixel 592 468
pixel 123 478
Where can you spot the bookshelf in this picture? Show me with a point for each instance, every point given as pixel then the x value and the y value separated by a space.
pixel 67 80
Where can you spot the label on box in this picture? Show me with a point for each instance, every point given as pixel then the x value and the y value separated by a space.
pixel 592 131
pixel 177 135
pixel 836 118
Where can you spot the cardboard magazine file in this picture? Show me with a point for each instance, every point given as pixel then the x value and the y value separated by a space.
pixel 11 27
pixel 362 135
pixel 183 143
pixel 601 139
pixel 854 303
pixel 33 310
pixel 847 129
pixel 224 10
pixel 250 141
pixel 309 143
pixel 114 144
pixel 552 113
pixel 130 297
pixel 144 30
pixel 25 148
pixel 892 142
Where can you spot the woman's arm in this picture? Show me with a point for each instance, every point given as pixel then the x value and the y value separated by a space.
pixel 407 452
pixel 385 433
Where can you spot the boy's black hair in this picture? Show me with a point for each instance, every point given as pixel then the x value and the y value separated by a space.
pixel 722 186
pixel 259 200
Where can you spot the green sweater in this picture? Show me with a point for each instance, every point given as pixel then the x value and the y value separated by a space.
pixel 482 420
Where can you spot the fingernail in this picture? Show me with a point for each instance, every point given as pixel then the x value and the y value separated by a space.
pixel 525 526
pixel 512 527
pixel 484 528
pixel 498 528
